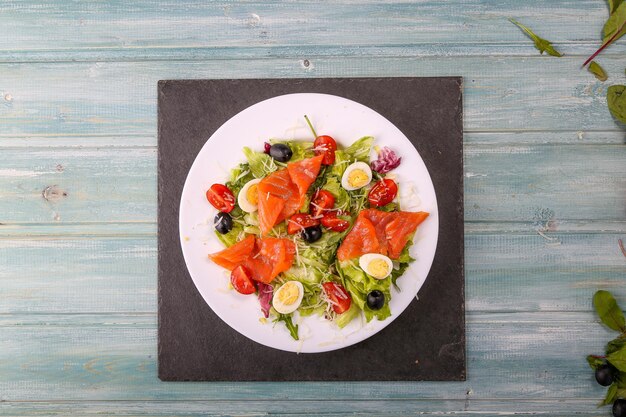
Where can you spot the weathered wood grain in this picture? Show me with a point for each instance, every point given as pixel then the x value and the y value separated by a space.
pixel 541 185
pixel 504 272
pixel 70 185
pixel 150 29
pixel 117 98
pixel 504 137
pixel 316 408
pixel 542 359
pixel 544 194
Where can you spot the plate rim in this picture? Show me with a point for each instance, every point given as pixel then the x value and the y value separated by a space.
pixel 384 323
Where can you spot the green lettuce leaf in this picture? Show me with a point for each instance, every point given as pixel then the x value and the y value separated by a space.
pixel 360 150
pixel 346 317
pixel 261 164
pixel 239 177
pixel 342 198
pixel 359 284
pixel 301 150
pixel 342 160
pixel 232 237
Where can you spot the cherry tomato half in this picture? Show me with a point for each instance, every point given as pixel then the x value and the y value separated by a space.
pixel 242 280
pixel 300 221
pixel 325 145
pixel 338 296
pixel 334 223
pixel 382 193
pixel 322 201
pixel 221 198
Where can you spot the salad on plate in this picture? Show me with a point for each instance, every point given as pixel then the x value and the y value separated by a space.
pixel 311 228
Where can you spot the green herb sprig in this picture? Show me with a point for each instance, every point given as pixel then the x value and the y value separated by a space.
pixel 541 44
pixel 614 359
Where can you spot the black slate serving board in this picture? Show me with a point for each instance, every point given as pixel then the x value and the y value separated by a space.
pixel 427 341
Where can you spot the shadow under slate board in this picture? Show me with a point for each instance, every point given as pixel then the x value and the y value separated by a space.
pixel 426 342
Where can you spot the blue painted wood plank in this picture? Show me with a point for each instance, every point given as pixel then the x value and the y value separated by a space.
pixel 535 184
pixel 118 98
pixel 318 408
pixel 73 184
pixel 141 28
pixel 83 360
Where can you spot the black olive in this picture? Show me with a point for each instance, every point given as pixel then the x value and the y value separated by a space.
pixel 312 234
pixel 223 223
pixel 281 152
pixel 375 300
pixel 605 375
pixel 619 408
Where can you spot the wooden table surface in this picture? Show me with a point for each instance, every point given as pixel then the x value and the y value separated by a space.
pixel 545 191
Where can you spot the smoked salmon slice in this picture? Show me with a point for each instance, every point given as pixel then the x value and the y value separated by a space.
pixel 234 255
pixel 390 230
pixel 281 194
pixel 264 258
pixel 277 184
pixel 400 229
pixel 303 173
pixel 270 209
pixel 361 239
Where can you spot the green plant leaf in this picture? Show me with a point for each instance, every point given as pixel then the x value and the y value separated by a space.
pixel 594 361
pixel 613 4
pixel 618 359
pixel 615 24
pixel 611 395
pixel 616 100
pixel 615 345
pixel 541 44
pixel 597 71
pixel 609 311
pixel 293 329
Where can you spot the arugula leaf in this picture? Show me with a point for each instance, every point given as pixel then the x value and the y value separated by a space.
pixel 389 207
pixel 616 100
pixel 614 26
pixel 293 329
pixel 611 395
pixel 594 361
pixel 597 71
pixel 397 273
pixel 541 44
pixel 609 311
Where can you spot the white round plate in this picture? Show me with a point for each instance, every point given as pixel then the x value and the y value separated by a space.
pixel 282 117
